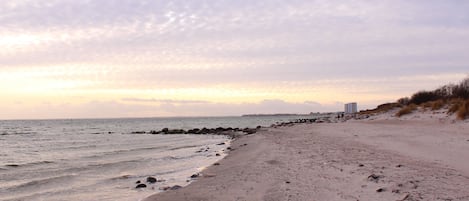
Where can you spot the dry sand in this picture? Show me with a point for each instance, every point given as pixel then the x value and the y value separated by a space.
pixel 381 159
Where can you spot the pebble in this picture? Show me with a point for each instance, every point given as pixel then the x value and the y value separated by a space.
pixel 380 190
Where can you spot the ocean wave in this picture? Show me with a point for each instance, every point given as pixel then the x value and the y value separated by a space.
pixel 27 164
pixel 119 152
pixel 41 182
pixel 184 147
pixel 18 133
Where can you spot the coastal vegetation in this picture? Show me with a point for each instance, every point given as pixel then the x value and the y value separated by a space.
pixel 454 97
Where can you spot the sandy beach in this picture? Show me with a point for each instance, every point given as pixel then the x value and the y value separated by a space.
pixel 380 159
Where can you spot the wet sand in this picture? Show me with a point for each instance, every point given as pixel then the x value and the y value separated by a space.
pixel 356 160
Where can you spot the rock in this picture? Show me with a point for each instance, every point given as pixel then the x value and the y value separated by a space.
pixel 361 165
pixel 221 143
pixel 175 187
pixel 204 131
pixel 287 182
pixel 195 176
pixel 379 190
pixel 194 131
pixel 138 182
pixel 399 165
pixel 141 186
pixel 138 132
pixel 217 154
pixel 249 131
pixel 216 164
pixel 219 130
pixel 175 131
pixel 151 180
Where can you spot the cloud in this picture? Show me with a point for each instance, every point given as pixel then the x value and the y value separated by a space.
pixel 164 101
pixel 276 46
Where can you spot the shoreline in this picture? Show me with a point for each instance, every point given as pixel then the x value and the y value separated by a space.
pixel 356 160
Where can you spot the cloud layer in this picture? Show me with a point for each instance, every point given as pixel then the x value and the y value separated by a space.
pixel 130 48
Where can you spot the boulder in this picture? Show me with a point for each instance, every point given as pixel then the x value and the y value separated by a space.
pixel 141 186
pixel 151 180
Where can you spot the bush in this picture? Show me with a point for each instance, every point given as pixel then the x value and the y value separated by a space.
pixel 381 108
pixel 461 90
pixel 404 101
pixel 406 110
pixel 423 97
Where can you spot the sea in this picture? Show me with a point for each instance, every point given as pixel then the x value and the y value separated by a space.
pixel 104 159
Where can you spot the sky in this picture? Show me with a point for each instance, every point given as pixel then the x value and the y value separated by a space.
pixel 157 58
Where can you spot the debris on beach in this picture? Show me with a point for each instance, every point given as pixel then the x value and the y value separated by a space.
pixel 375 178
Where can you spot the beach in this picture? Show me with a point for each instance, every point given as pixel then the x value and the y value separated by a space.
pixel 378 159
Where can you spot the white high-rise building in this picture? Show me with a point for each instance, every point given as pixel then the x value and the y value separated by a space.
pixel 350 108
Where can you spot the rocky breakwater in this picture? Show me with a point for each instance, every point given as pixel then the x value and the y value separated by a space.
pixel 231 132
pixel 327 119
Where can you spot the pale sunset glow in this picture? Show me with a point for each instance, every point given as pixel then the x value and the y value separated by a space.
pixel 138 58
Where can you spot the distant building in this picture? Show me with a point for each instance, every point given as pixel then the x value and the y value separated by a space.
pixel 350 108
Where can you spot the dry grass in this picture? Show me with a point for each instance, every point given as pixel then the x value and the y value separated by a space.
pixel 460 107
pixel 454 105
pixel 463 110
pixel 434 105
pixel 406 110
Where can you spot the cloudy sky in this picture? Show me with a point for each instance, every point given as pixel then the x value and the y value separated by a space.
pixel 144 58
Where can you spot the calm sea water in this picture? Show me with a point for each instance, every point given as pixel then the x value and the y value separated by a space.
pixel 100 159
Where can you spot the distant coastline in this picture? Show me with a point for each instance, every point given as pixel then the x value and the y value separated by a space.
pixel 272 115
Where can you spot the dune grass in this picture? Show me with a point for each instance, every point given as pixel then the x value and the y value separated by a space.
pixel 406 110
pixel 453 96
pixel 434 105
pixel 460 107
